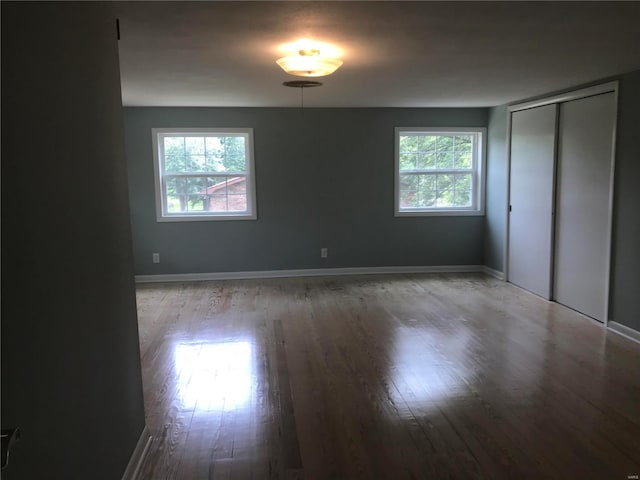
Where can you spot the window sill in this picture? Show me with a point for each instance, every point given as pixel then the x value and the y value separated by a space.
pixel 205 218
pixel 439 213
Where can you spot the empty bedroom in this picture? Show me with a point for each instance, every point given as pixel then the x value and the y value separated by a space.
pixel 320 240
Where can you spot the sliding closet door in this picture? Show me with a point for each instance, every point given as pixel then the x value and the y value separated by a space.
pixel 582 206
pixel 531 199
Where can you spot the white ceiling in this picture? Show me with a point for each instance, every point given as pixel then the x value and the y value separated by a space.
pixel 396 54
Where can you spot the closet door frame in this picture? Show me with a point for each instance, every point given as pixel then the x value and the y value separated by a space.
pixel 559 99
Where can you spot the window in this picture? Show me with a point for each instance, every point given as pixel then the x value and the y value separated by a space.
pixel 204 174
pixel 439 171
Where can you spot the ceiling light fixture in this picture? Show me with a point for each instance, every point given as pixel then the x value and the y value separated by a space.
pixel 309 61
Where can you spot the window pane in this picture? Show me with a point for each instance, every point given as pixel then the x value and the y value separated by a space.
pixel 217 185
pixel 462 198
pixel 197 185
pixel 463 181
pixel 445 190
pixel 194 145
pixel 426 157
pixel 174 145
pixel 408 199
pixel 176 185
pixel 196 203
pixel 426 199
pixel 196 163
pixel 463 148
pixel 427 160
pixel 427 191
pixel 234 154
pixel 462 195
pixel 214 154
pixel 217 203
pixel 176 195
pixel 409 191
pixel 174 154
pixel 194 148
pixel 444 152
pixel 427 182
pixel 408 144
pixel 173 203
pixel 227 193
pixel 409 182
pixel 200 154
pixel 427 144
pixel 237 203
pixel 174 163
pixel 196 189
pixel 226 154
pixel 418 191
pixel 408 161
pixel 237 185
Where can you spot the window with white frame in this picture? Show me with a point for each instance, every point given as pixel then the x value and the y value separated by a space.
pixel 204 174
pixel 439 171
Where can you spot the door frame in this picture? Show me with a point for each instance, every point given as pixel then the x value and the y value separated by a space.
pixel 559 99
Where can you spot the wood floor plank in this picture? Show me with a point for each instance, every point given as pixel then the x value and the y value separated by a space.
pixel 440 376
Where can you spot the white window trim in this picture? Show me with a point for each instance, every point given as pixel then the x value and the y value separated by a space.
pixel 163 216
pixel 479 179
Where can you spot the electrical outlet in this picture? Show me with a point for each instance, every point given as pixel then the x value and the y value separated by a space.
pixel 156 258
pixel 324 252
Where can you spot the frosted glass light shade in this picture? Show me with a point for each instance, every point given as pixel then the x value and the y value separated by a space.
pixel 309 63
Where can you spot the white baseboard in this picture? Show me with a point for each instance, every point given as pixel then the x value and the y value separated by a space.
pixel 493 273
pixel 625 331
pixel 138 455
pixel 312 272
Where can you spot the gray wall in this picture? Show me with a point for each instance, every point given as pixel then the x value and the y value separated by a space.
pixel 324 179
pixel 70 356
pixel 625 293
pixel 496 193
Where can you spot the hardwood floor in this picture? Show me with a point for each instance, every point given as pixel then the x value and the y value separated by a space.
pixel 382 377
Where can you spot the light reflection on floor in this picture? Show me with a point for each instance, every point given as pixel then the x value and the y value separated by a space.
pixel 214 376
pixel 422 377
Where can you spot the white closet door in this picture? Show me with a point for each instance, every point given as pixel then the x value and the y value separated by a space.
pixel 582 206
pixel 531 199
